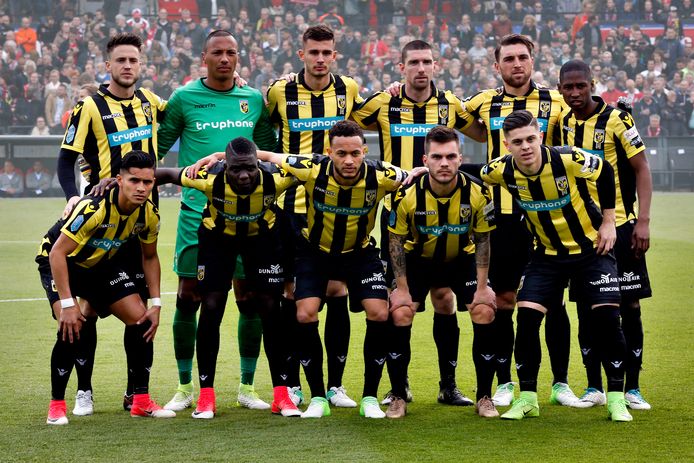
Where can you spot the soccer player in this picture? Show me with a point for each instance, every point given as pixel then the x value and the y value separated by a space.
pixel 439 244
pixel 205 115
pixel 573 241
pixel 510 241
pixel 103 128
pixel 343 191
pixel 237 221
pixel 304 109
pixel 86 260
pixel 611 134
pixel 402 123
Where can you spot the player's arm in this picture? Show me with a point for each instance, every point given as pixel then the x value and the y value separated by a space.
pixel 477 131
pixel 152 270
pixel 66 176
pixel 171 128
pixel 483 294
pixel 640 239
pixel 269 156
pixel 70 316
pixel 607 233
pixel 400 296
pixel 168 175
pixel 264 134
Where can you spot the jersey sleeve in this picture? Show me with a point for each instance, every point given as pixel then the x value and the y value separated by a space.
pixel 583 164
pixel 398 222
pixel 367 114
pixel 149 235
pixel 483 206
pixel 463 119
pixel 392 176
pixel 171 127
pixel 273 99
pixel 202 181
pixel 82 221
pixel 79 126
pixel 353 92
pixel 300 166
pixel 473 104
pixel 627 135
pixel 283 179
pixel 492 173
pixel 264 134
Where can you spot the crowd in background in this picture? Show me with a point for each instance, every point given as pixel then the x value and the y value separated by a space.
pixel 50 51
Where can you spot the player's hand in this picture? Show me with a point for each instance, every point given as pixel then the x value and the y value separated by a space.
pixel 400 298
pixel 152 315
pixel 291 77
pixel 207 162
pixel 414 174
pixel 102 187
pixel 239 81
pixel 394 88
pixel 641 238
pixel 484 296
pixel 71 203
pixel 71 322
pixel 607 235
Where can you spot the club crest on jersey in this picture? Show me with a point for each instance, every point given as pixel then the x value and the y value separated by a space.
pixel 201 272
pixel 544 109
pixel 443 113
pixel 562 185
pixel 147 109
pixel 267 200
pixel 465 212
pixel 370 197
pixel 599 138
pixel 137 229
pixel 243 105
pixel 341 104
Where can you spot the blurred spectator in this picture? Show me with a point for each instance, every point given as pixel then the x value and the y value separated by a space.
pixel 672 115
pixel 56 104
pixel 591 34
pixel 40 128
pixel 11 182
pixel 645 108
pixel 612 94
pixel 26 36
pixel 334 20
pixel 37 180
pixel 654 129
pixel 373 47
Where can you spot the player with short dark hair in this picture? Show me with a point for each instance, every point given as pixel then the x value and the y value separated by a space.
pixel 439 245
pixel 205 115
pixel 573 242
pixel 594 126
pixel 82 257
pixel 238 222
pixel 102 128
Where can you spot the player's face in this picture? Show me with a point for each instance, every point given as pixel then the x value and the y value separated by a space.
pixel 576 87
pixel 318 57
pixel 347 154
pixel 124 65
pixel 242 173
pixel 136 184
pixel 220 57
pixel 524 145
pixel 515 65
pixel 418 69
pixel 443 161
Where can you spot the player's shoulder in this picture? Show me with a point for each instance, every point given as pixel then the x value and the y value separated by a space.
pixel 496 164
pixel 484 95
pixel 378 98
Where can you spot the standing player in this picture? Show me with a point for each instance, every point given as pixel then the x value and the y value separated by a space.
pixel 439 243
pixel 84 260
pixel 510 241
pixel 237 222
pixel 304 110
pixel 102 129
pixel 573 243
pixel 610 133
pixel 343 191
pixel 205 115
pixel 402 123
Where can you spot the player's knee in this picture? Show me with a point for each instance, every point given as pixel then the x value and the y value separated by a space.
pixel 443 300
pixel 482 314
pixel 336 289
pixel 402 316
pixel 505 300
pixel 306 316
pixel 187 305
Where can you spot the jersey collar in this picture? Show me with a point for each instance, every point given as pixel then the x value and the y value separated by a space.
pixel 202 82
pixel 459 183
pixel 598 109
pixel 103 89
pixel 302 81
pixel 434 94
pixel 533 87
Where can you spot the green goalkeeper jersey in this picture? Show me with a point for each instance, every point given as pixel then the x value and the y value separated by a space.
pixel 206 120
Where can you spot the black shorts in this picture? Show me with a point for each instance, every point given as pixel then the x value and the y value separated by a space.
pixel 460 275
pixel 634 282
pixel 289 226
pixel 129 257
pixel 101 285
pixel 592 276
pixel 261 256
pixel 361 269
pixel 510 248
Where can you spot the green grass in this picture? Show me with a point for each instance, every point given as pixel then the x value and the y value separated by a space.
pixel 429 433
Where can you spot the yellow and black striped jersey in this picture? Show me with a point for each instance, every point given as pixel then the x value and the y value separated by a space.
pixel 611 134
pixel 103 128
pixel 236 214
pixel 403 124
pixel 494 104
pixel 340 218
pixel 562 220
pixel 440 227
pixel 100 229
pixel 304 116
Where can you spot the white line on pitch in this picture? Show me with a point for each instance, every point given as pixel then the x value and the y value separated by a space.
pixel 43 298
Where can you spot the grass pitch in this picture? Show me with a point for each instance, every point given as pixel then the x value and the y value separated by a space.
pixel 430 432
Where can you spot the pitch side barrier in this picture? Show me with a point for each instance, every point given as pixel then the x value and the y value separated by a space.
pixel 671 158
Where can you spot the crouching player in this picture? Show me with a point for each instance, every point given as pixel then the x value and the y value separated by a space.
pixel 439 243
pixel 83 260
pixel 238 220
